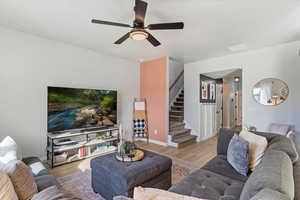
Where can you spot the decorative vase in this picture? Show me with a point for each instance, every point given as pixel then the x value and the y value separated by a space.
pixel 121 150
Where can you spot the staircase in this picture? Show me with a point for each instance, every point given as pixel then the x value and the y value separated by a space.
pixel 179 134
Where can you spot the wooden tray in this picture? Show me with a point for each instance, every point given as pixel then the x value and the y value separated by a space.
pixel 138 155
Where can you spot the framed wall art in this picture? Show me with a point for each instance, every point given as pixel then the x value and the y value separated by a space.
pixel 207 89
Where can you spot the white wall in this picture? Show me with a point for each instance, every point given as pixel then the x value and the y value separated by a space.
pixel 174 70
pixel 281 61
pixel 29 64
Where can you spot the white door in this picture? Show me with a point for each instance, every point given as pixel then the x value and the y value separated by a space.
pixel 219 107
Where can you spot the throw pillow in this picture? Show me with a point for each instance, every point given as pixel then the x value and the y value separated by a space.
pixel 7 191
pixel 257 147
pixel 157 194
pixel 22 180
pixel 281 129
pixel 237 154
pixel 8 150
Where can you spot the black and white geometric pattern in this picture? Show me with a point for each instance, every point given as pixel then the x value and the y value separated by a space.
pixel 139 124
pixel 140 133
pixel 140 127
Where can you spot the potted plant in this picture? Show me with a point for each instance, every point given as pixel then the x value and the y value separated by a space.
pixel 128 146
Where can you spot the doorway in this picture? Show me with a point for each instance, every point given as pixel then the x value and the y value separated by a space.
pixel 226 110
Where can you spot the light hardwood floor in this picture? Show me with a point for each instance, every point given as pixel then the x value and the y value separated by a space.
pixel 196 154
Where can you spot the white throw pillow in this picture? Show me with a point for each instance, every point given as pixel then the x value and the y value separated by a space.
pixel 257 147
pixel 8 150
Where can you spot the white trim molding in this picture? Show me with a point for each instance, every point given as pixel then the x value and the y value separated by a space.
pixel 152 141
pixel 193 132
pixel 170 143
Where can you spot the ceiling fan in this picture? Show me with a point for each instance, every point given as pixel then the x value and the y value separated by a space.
pixel 138 31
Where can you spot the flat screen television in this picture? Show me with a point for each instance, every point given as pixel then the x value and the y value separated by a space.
pixel 72 108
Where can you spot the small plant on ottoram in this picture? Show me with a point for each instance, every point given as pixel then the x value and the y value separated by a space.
pixel 128 146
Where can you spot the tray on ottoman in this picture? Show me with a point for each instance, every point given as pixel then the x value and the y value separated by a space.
pixel 111 177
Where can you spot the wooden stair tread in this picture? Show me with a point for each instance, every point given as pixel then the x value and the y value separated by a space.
pixel 184 139
pixel 180 111
pixel 174 124
pixel 180 131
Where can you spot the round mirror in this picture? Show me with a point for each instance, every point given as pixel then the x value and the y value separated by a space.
pixel 270 92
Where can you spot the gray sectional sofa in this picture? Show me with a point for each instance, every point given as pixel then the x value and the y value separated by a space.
pixel 277 177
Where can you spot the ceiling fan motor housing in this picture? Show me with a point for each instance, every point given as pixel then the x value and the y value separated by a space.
pixel 138 25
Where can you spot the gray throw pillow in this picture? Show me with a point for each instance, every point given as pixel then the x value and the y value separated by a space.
pixel 238 154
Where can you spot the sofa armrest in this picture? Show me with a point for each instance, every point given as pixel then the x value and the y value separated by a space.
pixel 294 136
pixel 224 138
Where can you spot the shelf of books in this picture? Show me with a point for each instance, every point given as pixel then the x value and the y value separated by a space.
pixel 78 146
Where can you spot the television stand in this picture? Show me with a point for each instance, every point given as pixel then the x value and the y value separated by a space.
pixel 95 129
pixel 92 142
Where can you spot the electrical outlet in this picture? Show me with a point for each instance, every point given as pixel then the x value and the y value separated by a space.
pixel 155 132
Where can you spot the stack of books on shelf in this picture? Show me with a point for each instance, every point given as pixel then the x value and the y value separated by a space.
pixel 84 151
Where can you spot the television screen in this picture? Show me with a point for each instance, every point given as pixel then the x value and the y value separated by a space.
pixel 70 108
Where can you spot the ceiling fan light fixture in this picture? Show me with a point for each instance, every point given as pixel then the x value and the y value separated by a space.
pixel 139 35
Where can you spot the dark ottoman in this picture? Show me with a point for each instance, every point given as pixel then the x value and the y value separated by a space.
pixel 112 178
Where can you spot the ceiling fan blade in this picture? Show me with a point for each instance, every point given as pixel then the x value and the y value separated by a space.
pixel 166 26
pixel 140 10
pixel 123 38
pixel 110 23
pixel 153 40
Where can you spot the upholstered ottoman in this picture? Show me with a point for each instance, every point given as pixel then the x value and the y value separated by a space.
pixel 113 178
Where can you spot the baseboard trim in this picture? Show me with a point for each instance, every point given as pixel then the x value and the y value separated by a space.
pixel 152 141
pixel 170 143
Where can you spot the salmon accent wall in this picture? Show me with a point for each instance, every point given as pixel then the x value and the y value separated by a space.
pixel 154 87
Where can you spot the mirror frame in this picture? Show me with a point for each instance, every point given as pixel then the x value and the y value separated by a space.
pixel 272 79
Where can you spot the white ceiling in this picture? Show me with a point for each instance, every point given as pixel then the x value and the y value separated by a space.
pixel 211 26
pixel 223 74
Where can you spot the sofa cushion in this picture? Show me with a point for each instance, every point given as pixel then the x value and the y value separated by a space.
pixel 36 166
pixel 274 172
pixel 237 154
pixel 224 138
pixel 42 176
pixel 257 147
pixel 46 181
pixel 268 194
pixel 221 166
pixel 22 180
pixel 7 191
pixel 208 185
